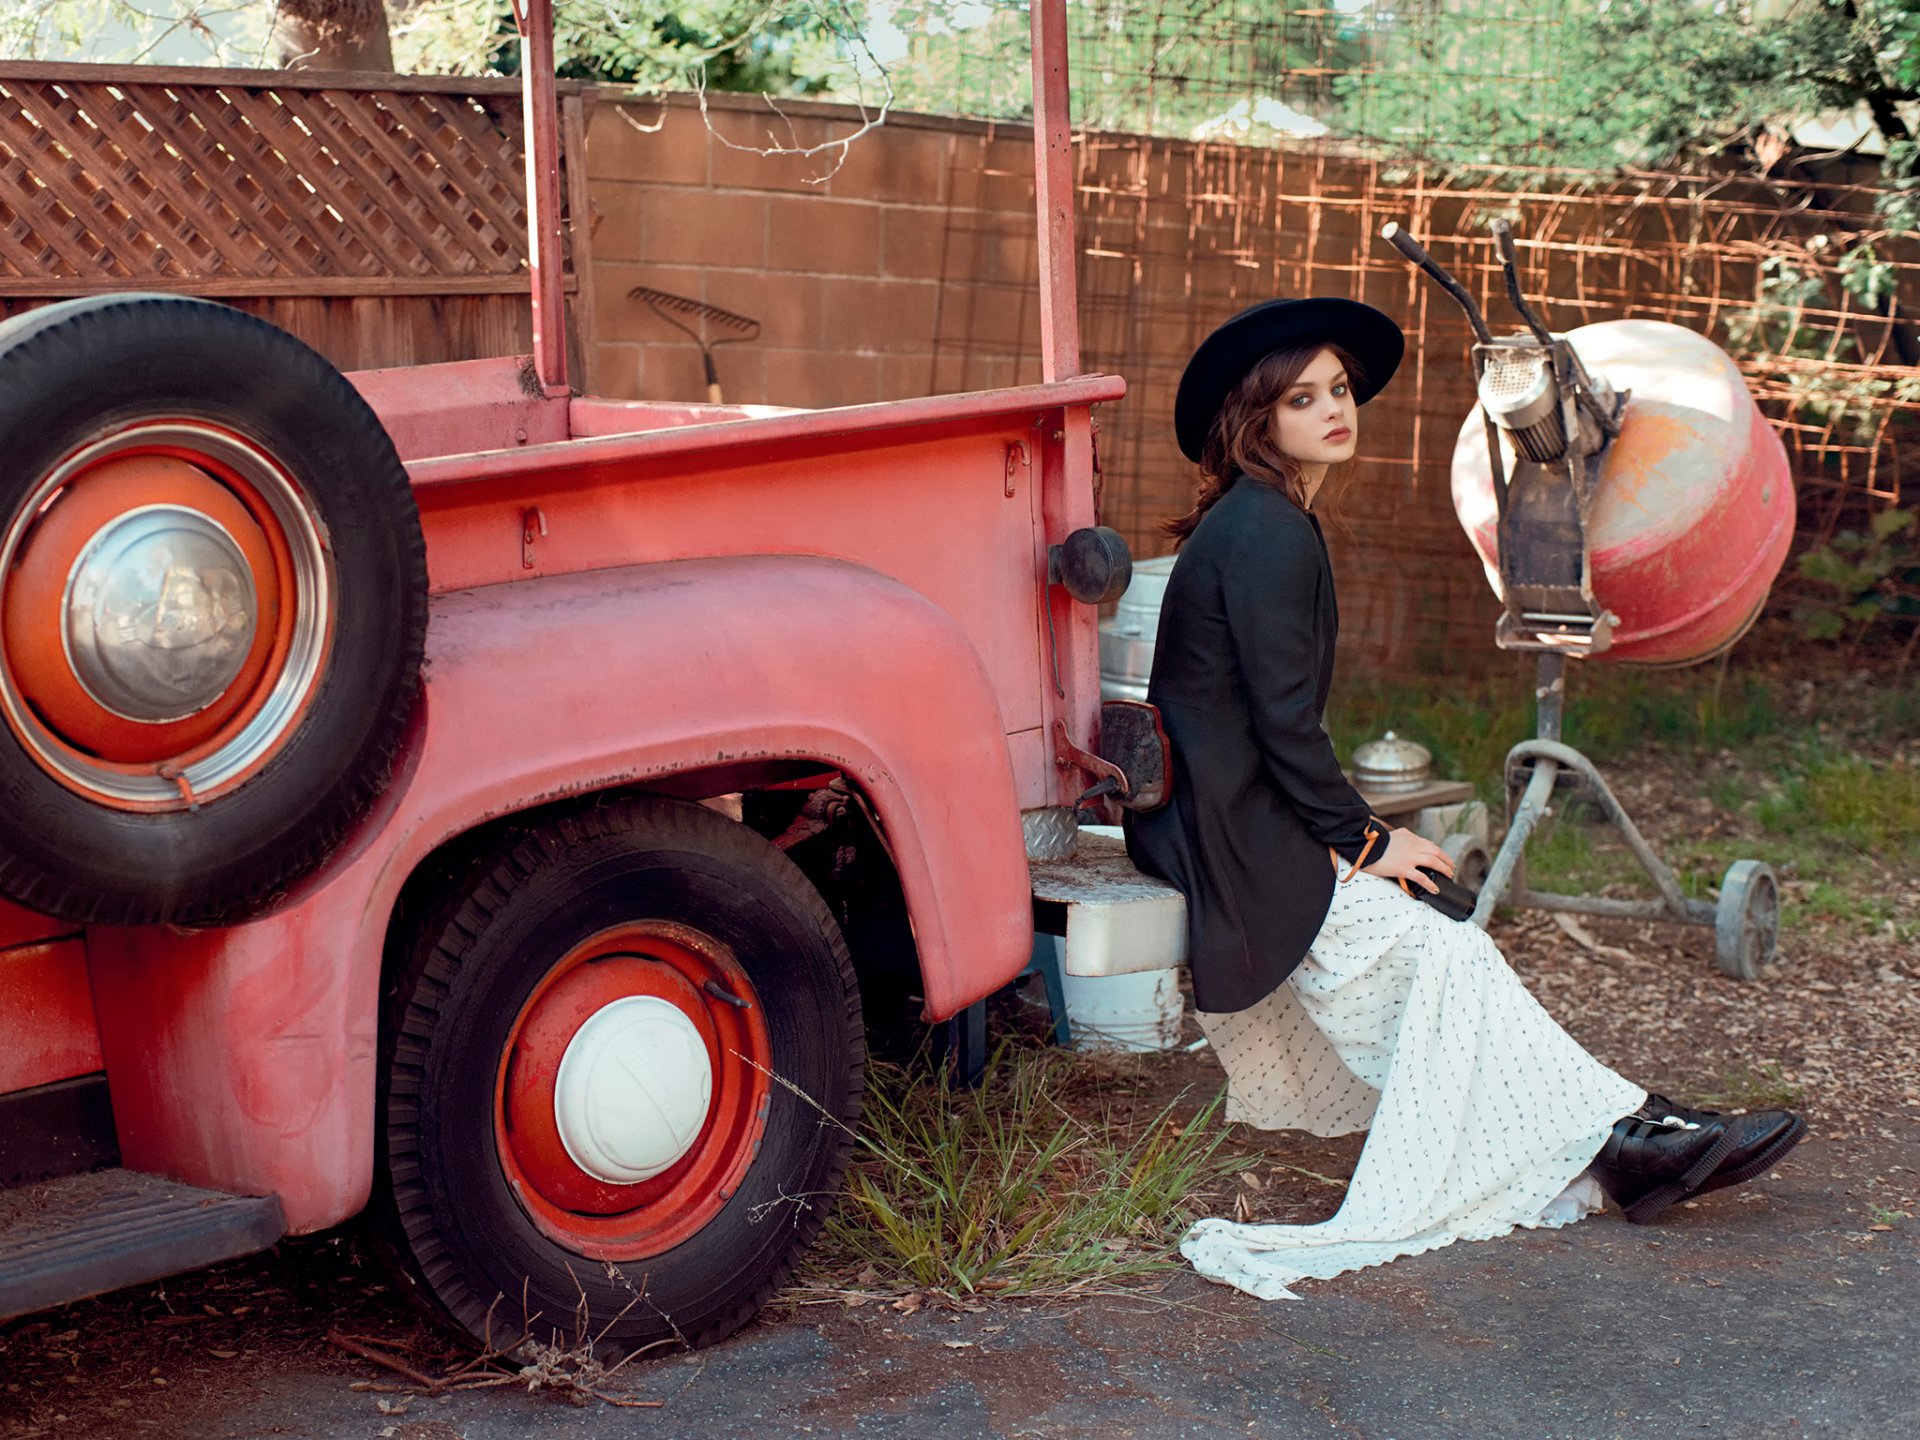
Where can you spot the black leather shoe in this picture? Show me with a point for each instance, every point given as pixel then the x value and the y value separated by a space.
pixel 1761 1139
pixel 1646 1164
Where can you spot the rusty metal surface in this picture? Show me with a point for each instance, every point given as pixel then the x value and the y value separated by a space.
pixel 1053 193
pixel 461 407
pixel 759 426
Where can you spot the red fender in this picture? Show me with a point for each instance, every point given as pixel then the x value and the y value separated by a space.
pixel 244 1058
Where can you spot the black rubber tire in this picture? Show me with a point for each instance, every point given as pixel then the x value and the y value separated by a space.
pixel 442 1204
pixel 73 370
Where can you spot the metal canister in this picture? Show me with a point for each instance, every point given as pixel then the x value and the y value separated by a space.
pixel 1389 765
pixel 1126 637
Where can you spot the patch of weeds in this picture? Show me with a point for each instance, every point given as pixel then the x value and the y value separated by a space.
pixel 1878 1215
pixel 1571 856
pixel 1848 801
pixel 1820 900
pixel 1751 1087
pixel 1468 725
pixel 1005 1189
pixel 1612 714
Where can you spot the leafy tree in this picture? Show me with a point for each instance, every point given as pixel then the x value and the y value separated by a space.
pixel 1671 84
pixel 1164 68
pixel 788 47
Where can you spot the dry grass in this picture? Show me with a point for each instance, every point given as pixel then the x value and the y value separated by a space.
pixel 1044 1181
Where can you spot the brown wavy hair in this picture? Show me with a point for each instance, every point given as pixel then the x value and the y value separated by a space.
pixel 1241 441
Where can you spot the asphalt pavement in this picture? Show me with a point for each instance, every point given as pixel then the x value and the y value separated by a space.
pixel 1774 1310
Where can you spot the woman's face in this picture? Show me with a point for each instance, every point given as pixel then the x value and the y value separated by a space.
pixel 1314 421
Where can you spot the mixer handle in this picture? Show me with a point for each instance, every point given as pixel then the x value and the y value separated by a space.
pixel 1510 262
pixel 1416 253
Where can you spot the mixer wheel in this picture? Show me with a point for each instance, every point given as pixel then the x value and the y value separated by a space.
pixel 1746 923
pixel 1471 862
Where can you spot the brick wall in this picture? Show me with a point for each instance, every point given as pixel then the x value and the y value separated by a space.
pixel 909 269
pixel 874 278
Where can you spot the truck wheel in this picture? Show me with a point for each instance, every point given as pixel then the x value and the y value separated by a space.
pixel 213 602
pixel 621 1069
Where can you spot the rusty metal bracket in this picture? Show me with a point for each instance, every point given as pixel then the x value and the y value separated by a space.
pixel 533 524
pixel 1069 756
pixel 1018 456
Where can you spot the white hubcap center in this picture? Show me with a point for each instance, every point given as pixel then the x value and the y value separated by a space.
pixel 633 1090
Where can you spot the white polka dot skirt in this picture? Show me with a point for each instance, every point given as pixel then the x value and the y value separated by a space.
pixel 1482 1112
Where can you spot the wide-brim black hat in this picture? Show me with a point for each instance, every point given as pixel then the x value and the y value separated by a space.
pixel 1225 356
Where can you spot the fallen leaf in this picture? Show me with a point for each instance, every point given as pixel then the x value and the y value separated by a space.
pixel 224 1354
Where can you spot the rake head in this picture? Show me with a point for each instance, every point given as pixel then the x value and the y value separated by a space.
pixel 677 310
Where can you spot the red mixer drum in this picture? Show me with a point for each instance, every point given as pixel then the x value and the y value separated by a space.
pixel 1695 508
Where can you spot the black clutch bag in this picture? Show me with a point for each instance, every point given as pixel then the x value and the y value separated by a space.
pixel 1453 900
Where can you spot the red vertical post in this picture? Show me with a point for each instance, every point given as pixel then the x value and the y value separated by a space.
pixel 1053 193
pixel 543 193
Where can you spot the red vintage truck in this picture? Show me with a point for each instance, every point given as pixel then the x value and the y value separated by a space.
pixel 438 792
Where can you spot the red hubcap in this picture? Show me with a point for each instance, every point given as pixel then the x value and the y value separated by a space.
pixel 662 962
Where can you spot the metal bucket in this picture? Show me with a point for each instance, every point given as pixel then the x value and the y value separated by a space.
pixel 1126 638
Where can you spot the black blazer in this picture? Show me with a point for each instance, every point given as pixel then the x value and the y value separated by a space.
pixel 1241 670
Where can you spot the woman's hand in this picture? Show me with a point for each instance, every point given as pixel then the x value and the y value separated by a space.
pixel 1405 853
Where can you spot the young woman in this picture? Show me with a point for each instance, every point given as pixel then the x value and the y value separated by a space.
pixel 1335 999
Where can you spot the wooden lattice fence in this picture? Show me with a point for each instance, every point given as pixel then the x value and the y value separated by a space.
pixel 383 218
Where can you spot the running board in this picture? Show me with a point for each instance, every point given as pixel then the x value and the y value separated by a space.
pixel 1116 921
pixel 83 1235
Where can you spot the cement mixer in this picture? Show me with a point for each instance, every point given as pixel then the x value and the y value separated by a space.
pixel 1629 502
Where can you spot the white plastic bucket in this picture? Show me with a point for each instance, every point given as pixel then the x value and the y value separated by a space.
pixel 1124 1012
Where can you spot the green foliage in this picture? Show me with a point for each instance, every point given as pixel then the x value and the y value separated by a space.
pixel 1616 714
pixel 1611 713
pixel 1656 83
pixel 776 47
pixel 1638 82
pixel 1777 321
pixel 791 47
pixel 1850 803
pixel 1865 580
pixel 1468 725
pixel 1752 1087
pixel 178 32
pixel 1003 1188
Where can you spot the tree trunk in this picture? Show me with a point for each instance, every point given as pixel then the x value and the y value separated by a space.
pixel 333 35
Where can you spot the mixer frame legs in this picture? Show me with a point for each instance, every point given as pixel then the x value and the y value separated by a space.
pixel 1534 768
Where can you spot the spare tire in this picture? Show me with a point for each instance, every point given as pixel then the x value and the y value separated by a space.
pixel 213 605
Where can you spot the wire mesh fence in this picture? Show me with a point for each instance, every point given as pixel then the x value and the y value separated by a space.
pixel 1239 149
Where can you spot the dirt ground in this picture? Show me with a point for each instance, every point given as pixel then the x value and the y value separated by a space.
pixel 1794 1292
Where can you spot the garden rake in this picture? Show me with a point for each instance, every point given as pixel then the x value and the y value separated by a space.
pixel 676 310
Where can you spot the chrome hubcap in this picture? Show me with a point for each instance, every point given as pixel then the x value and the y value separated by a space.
pixel 160 613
